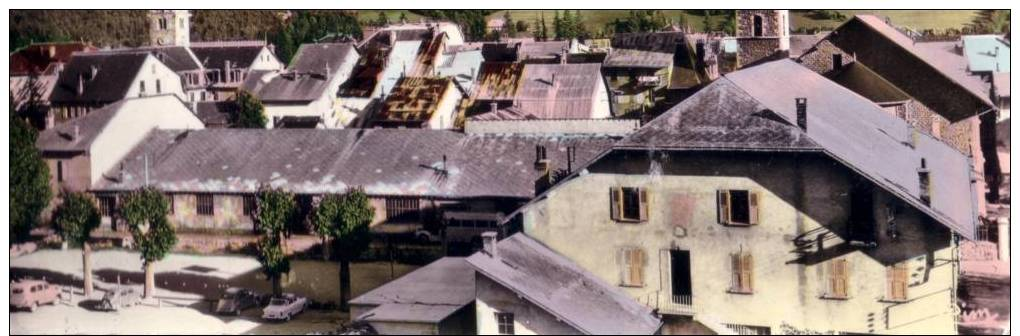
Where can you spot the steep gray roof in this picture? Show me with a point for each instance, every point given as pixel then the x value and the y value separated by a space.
pixel 557 285
pixel 61 138
pixel 307 77
pixel 383 161
pixel 632 58
pixel 754 109
pixel 114 73
pixel 215 57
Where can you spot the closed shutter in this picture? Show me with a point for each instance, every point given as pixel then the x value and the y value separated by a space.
pixel 753 207
pixel 724 206
pixel 735 268
pixel 637 275
pixel 898 282
pixel 839 277
pixel 615 203
pixel 746 265
pixel 643 199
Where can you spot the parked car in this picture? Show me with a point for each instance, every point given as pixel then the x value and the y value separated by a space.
pixel 121 297
pixel 462 227
pixel 30 294
pixel 284 307
pixel 235 300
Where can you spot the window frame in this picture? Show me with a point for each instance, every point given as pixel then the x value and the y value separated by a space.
pixel 403 209
pixel 619 204
pixel 505 323
pixel 724 207
pixel 742 273
pixel 632 261
pixel 201 209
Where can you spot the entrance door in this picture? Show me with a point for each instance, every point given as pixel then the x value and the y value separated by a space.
pixel 680 267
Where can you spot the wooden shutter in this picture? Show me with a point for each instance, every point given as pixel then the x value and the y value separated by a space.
pixel 735 267
pixel 746 266
pixel 752 209
pixel 643 200
pixel 637 277
pixel 838 278
pixel 615 203
pixel 897 276
pixel 724 206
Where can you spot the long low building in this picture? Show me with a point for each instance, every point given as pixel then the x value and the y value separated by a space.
pixel 412 175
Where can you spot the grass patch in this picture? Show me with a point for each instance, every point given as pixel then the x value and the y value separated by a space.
pixel 913 19
pixel 596 19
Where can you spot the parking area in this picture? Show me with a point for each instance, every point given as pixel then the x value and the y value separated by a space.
pixel 186 288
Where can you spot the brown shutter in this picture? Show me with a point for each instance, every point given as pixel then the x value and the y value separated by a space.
pixel 735 267
pixel 752 209
pixel 839 278
pixel 898 282
pixel 746 267
pixel 724 206
pixel 615 202
pixel 637 267
pixel 643 199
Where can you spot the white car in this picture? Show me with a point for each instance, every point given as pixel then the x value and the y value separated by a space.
pixel 284 307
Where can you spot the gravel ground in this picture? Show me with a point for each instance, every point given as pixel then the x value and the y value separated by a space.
pixel 182 281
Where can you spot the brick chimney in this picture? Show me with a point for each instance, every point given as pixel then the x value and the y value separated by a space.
pixel 489 243
pixel 541 160
pixel 801 113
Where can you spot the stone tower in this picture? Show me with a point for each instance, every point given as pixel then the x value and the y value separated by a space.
pixel 762 34
pixel 169 27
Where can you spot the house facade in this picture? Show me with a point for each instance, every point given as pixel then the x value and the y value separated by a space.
pixel 716 231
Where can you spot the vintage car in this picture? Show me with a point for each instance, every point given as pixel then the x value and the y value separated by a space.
pixel 235 300
pixel 284 307
pixel 121 297
pixel 29 294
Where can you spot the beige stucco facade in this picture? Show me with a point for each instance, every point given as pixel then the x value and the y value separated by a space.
pixel 800 198
pixel 529 319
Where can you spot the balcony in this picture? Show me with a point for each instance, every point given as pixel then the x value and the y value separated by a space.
pixel 668 304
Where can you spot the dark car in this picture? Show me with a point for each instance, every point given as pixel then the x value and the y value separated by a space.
pixel 235 300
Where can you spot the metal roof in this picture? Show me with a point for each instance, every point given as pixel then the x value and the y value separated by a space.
pixel 632 58
pixel 986 53
pixel 562 288
pixel 447 281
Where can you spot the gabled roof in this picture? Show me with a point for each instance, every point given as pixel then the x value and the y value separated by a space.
pixel 563 289
pixel 926 71
pixel 307 77
pixel 754 110
pixel 114 75
pixel 177 58
pixel 543 91
pixel 240 56
pixel 61 138
pixel 383 161
pixel 38 57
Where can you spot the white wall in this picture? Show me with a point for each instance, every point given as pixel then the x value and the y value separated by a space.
pixel 151 71
pixel 266 61
pixel 446 111
pixel 600 104
pixel 529 319
pixel 132 123
pixel 326 106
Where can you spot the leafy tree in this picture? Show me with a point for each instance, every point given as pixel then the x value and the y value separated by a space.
pixel 543 32
pixel 75 219
pixel 275 209
pixel 728 24
pixel 382 20
pixel 509 28
pixel 250 111
pixel 403 17
pixel 145 212
pixel 308 26
pixel 29 180
pixel 707 20
pixel 991 21
pixel 346 218
pixel 522 26
pixel 558 25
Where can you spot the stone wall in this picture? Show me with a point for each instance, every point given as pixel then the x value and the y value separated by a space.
pixel 752 50
pixel 771 22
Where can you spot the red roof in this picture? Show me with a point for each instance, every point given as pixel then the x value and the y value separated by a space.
pixel 38 57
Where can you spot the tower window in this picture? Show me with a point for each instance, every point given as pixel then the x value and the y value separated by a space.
pixel 162 23
pixel 758 23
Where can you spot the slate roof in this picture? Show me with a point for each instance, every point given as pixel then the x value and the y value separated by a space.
pixel 754 109
pixel 926 71
pixel 429 294
pixel 38 57
pixel 860 79
pixel 562 288
pixel 799 43
pixel 383 161
pixel 177 58
pixel 216 56
pixel 307 77
pixel 114 76
pixel 631 58
pixel 535 93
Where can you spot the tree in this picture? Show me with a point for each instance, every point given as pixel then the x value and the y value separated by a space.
pixel 145 212
pixel 543 32
pixel 557 25
pixel 346 219
pixel 382 20
pixel 403 17
pixel 729 23
pixel 75 219
pixel 250 111
pixel 29 180
pixel 508 25
pixel 707 22
pixel 274 210
pixel 991 21
pixel 522 26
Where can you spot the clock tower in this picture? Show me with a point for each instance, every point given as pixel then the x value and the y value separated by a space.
pixel 169 27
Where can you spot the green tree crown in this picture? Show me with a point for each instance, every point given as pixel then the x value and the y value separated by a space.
pixel 29 180
pixel 76 217
pixel 145 212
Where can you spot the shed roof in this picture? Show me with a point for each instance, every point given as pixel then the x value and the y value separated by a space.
pixel 562 288
pixel 754 109
pixel 384 162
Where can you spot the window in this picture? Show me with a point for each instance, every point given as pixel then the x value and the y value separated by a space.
pixel 741 329
pixel 738 207
pixel 838 279
pixel 159 88
pixel 758 25
pixel 897 277
pixel 837 61
pixel 743 275
pixel 402 209
pixel 249 205
pixel 141 87
pixel 505 323
pixel 162 24
pixel 107 205
pixel 924 178
pixel 170 203
pixel 629 204
pixel 204 203
pixel 632 262
pixel 60 171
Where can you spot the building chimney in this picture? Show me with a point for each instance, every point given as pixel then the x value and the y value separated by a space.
pixel 924 182
pixel 494 106
pixel 802 113
pixel 541 160
pixel 489 243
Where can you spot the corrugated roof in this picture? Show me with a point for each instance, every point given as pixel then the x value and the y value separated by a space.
pixel 114 73
pixel 562 288
pixel 383 161
pixel 631 58
pixel 754 109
